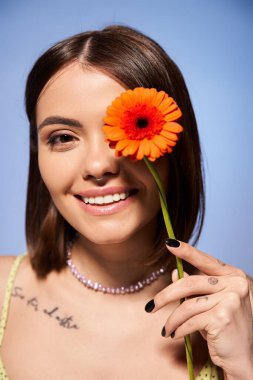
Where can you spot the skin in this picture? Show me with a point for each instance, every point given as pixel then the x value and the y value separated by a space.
pixel 91 335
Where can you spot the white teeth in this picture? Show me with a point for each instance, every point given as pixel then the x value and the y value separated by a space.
pixel 110 198
pixel 122 196
pixel 99 200
pixel 116 197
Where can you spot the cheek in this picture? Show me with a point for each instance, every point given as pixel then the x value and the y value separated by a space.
pixel 57 172
pixel 151 200
pixel 162 167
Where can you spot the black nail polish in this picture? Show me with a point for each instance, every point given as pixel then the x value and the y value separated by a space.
pixel 172 243
pixel 172 334
pixel 163 331
pixel 150 306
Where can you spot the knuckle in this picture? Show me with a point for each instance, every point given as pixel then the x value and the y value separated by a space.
pixel 233 299
pixel 223 317
pixel 243 286
pixel 240 273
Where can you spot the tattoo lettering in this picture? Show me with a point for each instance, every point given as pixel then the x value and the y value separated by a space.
pixel 34 303
pixel 212 280
pixel 50 313
pixel 17 292
pixel 201 298
pixel 54 313
pixel 65 322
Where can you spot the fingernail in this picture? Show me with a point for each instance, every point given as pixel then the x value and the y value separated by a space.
pixel 172 334
pixel 150 306
pixel 172 243
pixel 163 331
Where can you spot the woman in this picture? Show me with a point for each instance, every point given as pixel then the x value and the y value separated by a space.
pixel 94 215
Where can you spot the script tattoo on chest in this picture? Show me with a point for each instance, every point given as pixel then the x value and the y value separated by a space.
pixel 66 322
pixel 18 292
pixel 54 313
pixel 34 303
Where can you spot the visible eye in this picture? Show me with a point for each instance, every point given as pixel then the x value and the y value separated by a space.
pixel 61 141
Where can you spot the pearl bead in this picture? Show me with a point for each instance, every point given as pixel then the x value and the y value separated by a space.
pixel 107 290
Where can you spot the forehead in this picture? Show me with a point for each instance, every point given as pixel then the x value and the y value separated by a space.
pixel 75 88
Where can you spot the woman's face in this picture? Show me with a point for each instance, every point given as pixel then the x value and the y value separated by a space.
pixel 73 153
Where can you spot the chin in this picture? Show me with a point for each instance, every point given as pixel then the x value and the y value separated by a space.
pixel 111 234
pixel 108 238
pixel 109 241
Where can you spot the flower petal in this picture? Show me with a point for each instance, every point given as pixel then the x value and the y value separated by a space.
pixel 121 144
pixel 154 151
pixel 131 148
pixel 166 104
pixel 173 127
pixel 160 142
pixel 160 96
pixel 173 114
pixel 128 99
pixel 150 96
pixel 146 147
pixel 171 143
pixel 140 153
pixel 112 120
pixel 169 135
pixel 141 123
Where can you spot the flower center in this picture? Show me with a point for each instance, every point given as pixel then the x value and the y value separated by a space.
pixel 141 122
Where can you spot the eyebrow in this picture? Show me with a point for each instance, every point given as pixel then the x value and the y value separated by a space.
pixel 59 120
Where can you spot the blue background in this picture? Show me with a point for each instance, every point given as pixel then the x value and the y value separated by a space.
pixel 211 41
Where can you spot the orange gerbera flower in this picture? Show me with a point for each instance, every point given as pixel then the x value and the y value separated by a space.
pixel 141 123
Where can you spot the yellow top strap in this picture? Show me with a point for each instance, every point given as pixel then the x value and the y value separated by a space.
pixel 7 296
pixel 209 371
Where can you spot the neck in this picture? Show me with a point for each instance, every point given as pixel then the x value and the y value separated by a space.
pixel 118 264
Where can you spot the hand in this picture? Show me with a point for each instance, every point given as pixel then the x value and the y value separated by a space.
pixel 219 308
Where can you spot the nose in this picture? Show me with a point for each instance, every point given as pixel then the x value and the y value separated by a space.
pixel 100 163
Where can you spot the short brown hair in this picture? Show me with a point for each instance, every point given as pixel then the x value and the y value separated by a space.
pixel 133 59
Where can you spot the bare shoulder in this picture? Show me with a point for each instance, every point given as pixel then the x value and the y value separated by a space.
pixel 5 267
pixel 6 263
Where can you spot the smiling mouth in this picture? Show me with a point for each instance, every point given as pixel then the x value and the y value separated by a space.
pixel 107 199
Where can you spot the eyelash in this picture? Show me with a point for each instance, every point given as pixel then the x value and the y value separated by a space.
pixel 52 140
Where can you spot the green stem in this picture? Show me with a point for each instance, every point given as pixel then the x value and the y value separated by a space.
pixel 179 263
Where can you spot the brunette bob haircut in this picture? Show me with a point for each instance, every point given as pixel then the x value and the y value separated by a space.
pixel 135 60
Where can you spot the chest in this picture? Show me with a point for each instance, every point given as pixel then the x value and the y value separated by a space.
pixel 62 341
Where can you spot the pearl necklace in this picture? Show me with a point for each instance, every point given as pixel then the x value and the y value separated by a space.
pixel 110 290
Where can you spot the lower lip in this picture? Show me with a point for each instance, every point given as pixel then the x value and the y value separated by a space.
pixel 106 209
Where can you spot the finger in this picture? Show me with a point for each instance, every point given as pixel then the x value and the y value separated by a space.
pixel 197 323
pixel 186 287
pixel 212 321
pixel 204 262
pixel 191 308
